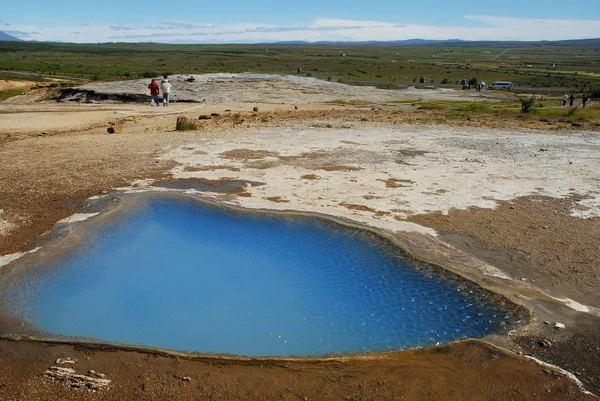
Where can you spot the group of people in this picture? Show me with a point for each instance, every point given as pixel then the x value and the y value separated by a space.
pixel 571 100
pixel 155 89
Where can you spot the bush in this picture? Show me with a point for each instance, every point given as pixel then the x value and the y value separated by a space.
pixel 151 74
pixel 572 112
pixel 527 104
pixel 185 124
pixel 473 81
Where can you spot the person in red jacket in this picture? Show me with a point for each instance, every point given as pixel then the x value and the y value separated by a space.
pixel 154 91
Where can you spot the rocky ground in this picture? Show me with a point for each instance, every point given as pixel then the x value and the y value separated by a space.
pixel 513 205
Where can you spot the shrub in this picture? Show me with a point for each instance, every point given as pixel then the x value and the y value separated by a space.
pixel 150 74
pixel 572 112
pixel 185 124
pixel 527 104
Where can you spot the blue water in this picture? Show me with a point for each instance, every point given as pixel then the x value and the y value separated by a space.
pixel 185 276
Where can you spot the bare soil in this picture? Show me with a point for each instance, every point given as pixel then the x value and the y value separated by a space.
pixel 534 239
pixel 466 371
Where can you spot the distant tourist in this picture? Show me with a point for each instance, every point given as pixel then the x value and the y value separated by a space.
pixel 584 100
pixel 154 91
pixel 571 100
pixel 165 86
pixel 299 71
pixel 565 99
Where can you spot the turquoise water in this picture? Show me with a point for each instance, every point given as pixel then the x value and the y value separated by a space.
pixel 185 276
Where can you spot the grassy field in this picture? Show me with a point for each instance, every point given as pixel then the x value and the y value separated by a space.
pixel 536 65
pixel 5 94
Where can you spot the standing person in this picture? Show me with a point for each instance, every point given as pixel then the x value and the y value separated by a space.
pixel 584 101
pixel 565 99
pixel 299 71
pixel 154 91
pixel 571 100
pixel 165 86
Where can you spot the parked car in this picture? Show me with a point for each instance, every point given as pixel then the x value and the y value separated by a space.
pixel 501 85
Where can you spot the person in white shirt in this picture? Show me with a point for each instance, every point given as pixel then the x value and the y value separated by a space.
pixel 165 87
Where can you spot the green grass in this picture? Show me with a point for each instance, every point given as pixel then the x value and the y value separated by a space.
pixel 577 67
pixel 545 110
pixel 9 93
pixel 185 124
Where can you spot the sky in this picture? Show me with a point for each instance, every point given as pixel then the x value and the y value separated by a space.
pixel 255 21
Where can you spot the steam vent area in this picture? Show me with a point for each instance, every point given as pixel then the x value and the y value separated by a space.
pixel 286 237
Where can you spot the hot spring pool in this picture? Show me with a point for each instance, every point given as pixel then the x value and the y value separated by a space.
pixel 181 275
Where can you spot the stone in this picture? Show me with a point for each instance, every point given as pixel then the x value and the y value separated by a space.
pixel 545 343
pixel 115 129
pixel 215 115
pixel 559 326
pixel 204 117
pixel 72 379
pixel 255 109
pixel 64 361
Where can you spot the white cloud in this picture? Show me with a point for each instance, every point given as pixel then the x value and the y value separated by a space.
pixel 495 28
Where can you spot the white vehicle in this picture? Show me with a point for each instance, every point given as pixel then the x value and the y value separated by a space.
pixel 501 85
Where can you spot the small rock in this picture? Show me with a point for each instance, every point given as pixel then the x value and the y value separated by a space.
pixel 523 279
pixel 548 372
pixel 115 129
pixel 546 322
pixel 204 117
pixel 520 352
pixel 215 115
pixel 295 107
pixel 560 326
pixel 545 343
pixel 255 109
pixel 186 379
pixel 546 227
pixel 64 361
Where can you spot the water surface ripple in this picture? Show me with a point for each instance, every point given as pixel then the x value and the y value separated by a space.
pixel 186 276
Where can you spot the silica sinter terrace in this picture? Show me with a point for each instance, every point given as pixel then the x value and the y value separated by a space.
pixel 182 275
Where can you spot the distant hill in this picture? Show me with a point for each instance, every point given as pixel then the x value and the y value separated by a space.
pixel 6 37
pixel 457 42
pixel 407 42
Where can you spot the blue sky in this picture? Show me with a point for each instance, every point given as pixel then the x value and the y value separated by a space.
pixel 226 21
